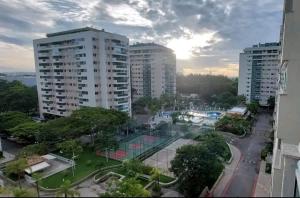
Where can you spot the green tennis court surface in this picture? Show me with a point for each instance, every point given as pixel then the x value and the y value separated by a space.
pixel 133 147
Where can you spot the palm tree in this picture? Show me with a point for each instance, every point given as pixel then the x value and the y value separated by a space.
pixel 17 167
pixel 19 192
pixel 65 190
pixel 37 177
pixel 155 176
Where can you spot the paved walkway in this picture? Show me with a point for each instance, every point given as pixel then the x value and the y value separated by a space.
pixel 7 157
pixel 228 172
pixel 263 182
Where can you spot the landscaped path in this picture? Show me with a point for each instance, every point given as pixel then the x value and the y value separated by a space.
pixel 228 172
pixel 245 176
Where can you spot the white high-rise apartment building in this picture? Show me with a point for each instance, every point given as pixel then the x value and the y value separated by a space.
pixel 286 152
pixel 258 72
pixel 153 70
pixel 82 67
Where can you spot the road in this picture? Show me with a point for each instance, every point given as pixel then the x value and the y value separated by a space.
pixel 245 176
pixel 10 146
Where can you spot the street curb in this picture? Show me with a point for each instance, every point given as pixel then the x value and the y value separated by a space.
pixel 255 182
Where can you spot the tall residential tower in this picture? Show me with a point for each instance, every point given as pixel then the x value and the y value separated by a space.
pixel 286 152
pixel 153 70
pixel 82 67
pixel 258 70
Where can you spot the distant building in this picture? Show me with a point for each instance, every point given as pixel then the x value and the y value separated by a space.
pixel 82 67
pixel 258 72
pixel 153 70
pixel 286 152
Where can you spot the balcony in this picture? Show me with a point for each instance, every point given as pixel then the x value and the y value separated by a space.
pixel 121 82
pixel 59 87
pixel 120 89
pixel 120 74
pixel 60 100
pixel 122 60
pixel 121 96
pixel 59 93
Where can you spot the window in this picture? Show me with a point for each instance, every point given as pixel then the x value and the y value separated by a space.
pixel 288 7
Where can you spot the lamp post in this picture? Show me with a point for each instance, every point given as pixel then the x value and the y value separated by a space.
pixel 73 163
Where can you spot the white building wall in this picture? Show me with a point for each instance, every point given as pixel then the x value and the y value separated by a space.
pixel 258 68
pixel 153 70
pixel 244 84
pixel 85 61
pixel 287 128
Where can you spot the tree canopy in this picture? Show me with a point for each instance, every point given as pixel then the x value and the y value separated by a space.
pixel 128 187
pixel 196 168
pixel 11 119
pixel 233 124
pixel 16 96
pixel 214 90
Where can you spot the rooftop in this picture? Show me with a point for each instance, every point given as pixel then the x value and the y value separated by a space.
pixel 85 29
pixel 267 44
pixel 149 45
pixel 237 110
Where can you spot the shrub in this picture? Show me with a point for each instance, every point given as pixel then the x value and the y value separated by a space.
pixel 89 162
pixel 156 188
pixel 268 168
pixel 34 149
pixel 264 154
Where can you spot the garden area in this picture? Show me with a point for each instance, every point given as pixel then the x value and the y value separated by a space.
pixel 147 180
pixel 86 163
pixel 233 124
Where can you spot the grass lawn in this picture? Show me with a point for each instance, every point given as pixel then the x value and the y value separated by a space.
pixel 87 162
pixel 165 179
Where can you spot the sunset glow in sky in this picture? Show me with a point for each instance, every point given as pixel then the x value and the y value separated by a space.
pixel 206 35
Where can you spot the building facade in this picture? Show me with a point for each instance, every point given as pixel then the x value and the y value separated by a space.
pixel 82 67
pixel 153 70
pixel 286 152
pixel 258 72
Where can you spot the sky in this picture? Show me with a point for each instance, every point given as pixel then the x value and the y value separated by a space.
pixel 206 35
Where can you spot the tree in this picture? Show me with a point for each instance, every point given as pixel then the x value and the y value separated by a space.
pixel 132 167
pixel 37 177
pixel 233 124
pixel 33 149
pixel 155 176
pixel 70 147
pixel 11 119
pixel 253 107
pixel 241 100
pixel 17 167
pixel 66 191
pixel 22 192
pixel 216 145
pixel 175 117
pixel 15 96
pixel 26 131
pixel 196 168
pixel 128 187
pixel 207 86
pixel 100 122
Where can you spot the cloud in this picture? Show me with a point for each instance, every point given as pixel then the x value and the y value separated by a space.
pixel 204 33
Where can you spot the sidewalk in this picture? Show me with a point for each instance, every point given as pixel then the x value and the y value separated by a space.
pixel 263 182
pixel 228 172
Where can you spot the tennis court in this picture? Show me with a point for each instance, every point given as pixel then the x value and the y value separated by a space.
pixel 134 147
pixel 162 158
